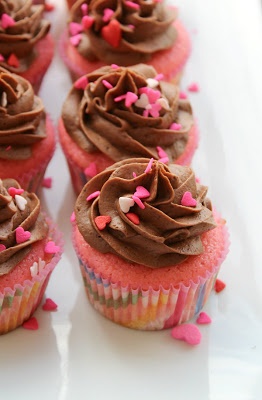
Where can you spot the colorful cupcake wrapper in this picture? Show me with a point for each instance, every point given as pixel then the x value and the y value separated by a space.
pixel 149 309
pixel 19 303
pixel 32 180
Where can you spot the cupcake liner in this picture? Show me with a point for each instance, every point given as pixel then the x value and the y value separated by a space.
pixel 19 303
pixel 149 309
pixel 31 180
pixel 170 62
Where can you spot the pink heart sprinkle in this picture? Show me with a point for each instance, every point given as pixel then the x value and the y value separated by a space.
pixel 2 247
pixel 187 332
pixel 7 21
pixel 75 40
pixel 31 324
pixel 73 217
pixel 22 235
pixel 75 28
pixel 49 305
pixel 107 84
pixel 51 248
pixel 141 192
pixel 164 160
pixel 203 318
pixel 138 202
pixel 2 57
pixel 132 5
pixel 193 87
pixel 120 98
pixel 84 8
pixel 47 183
pixel 182 95
pixel 154 110
pixel 87 21
pixel 93 195
pixel 175 126
pixel 81 83
pixel 159 77
pixel 161 153
pixel 187 200
pixel 91 170
pixel 13 191
pixel 130 99
pixel 149 166
pixel 153 95
pixel 107 14
pixel 114 66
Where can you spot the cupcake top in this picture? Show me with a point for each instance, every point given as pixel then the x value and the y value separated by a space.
pixel 145 212
pixel 128 112
pixel 22 117
pixel 21 224
pixel 21 27
pixel 121 31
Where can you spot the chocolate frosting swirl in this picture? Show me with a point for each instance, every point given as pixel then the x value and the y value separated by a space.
pixel 142 27
pixel 22 117
pixel 11 217
pixel 20 37
pixel 168 232
pixel 95 121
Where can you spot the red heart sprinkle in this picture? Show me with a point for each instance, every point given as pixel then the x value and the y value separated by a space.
pixel 49 305
pixel 47 183
pixel 22 235
pixel 187 200
pixel 13 61
pixel 87 21
pixel 112 33
pixel 7 21
pixel 51 248
pixel 13 191
pixel 31 324
pixel 203 318
pixel 133 218
pixel 219 285
pixel 49 7
pixel 101 221
pixel 187 332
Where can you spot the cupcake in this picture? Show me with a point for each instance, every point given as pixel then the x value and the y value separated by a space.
pixel 116 113
pixel 26 47
pixel 27 136
pixel 30 248
pixel 125 33
pixel 148 243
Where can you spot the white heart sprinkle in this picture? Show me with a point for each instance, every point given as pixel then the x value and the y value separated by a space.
pixel 20 202
pixel 163 103
pixel 4 99
pixel 152 83
pixel 125 203
pixel 143 101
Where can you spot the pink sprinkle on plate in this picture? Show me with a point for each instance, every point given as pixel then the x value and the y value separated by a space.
pixel 47 182
pixel 203 318
pixel 31 324
pixel 189 333
pixel 49 305
pixel 193 87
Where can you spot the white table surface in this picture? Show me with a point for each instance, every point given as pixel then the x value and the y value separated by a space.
pixel 76 353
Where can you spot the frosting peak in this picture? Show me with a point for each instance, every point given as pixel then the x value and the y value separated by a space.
pixel 126 32
pixel 153 214
pixel 18 210
pixel 128 112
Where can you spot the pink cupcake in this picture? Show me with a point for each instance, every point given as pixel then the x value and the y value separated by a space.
pixel 26 47
pixel 148 243
pixel 27 136
pixel 125 33
pixel 116 113
pixel 30 247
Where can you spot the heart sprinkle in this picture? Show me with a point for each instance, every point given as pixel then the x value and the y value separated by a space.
pixel 182 95
pixel 2 247
pixel 31 324
pixel 47 182
pixel 87 22
pixel 20 202
pixel 108 12
pixel 132 5
pixel 152 83
pixel 112 33
pixel 149 166
pixel 163 157
pixel 175 126
pixel 133 218
pixel 101 221
pixel 130 99
pixel 138 202
pixel 107 84
pixel 75 28
pixel 81 83
pixel 49 305
pixel 7 21
pixel 75 40
pixel 91 170
pixel 21 235
pixel 187 332
pixel 203 318
pixel 13 191
pixel 93 195
pixel 141 192
pixel 193 87
pixel 219 285
pixel 187 200
pixel 51 248
pixel 125 203
pixel 73 217
pixel 13 61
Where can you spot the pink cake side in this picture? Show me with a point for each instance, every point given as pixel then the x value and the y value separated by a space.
pixel 26 171
pixel 169 62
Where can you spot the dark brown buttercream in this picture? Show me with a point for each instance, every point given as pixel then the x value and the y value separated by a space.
pixel 167 233
pixel 11 217
pixel 143 30
pixel 95 121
